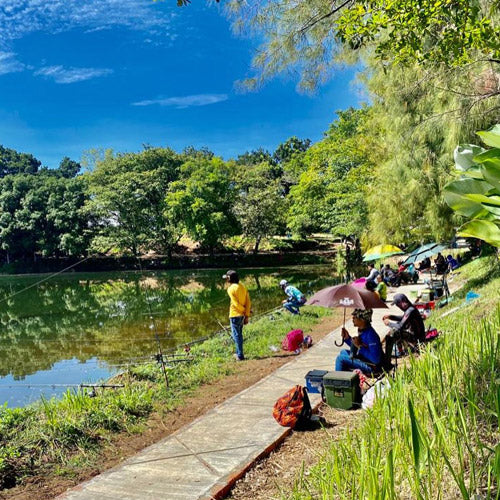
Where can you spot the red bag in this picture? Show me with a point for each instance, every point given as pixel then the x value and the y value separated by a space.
pixel 293 407
pixel 293 340
pixel 431 334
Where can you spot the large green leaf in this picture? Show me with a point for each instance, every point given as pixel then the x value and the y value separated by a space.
pixel 483 230
pixel 456 196
pixel 464 155
pixel 488 155
pixel 491 137
pixel 491 173
pixel 490 203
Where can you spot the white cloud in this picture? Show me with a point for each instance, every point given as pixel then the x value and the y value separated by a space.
pixel 19 18
pixel 71 75
pixel 185 101
pixel 9 63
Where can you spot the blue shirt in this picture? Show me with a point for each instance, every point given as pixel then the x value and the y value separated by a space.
pixel 373 350
pixel 294 294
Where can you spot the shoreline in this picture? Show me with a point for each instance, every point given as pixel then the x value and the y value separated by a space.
pixel 176 263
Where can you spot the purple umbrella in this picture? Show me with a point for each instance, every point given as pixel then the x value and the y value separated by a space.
pixel 346 296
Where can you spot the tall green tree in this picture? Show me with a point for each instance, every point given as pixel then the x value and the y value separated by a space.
pixel 331 193
pixel 260 205
pixel 416 119
pixel 202 200
pixel 128 196
pixel 43 215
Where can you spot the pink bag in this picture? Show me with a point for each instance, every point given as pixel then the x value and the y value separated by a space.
pixel 293 340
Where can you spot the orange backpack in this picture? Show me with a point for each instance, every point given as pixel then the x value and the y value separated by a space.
pixel 293 407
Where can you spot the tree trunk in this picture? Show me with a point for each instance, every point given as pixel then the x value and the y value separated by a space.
pixel 257 243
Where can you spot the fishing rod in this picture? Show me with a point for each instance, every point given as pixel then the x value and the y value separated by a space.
pixel 102 386
pixel 151 317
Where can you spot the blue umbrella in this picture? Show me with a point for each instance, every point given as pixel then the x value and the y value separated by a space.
pixel 423 252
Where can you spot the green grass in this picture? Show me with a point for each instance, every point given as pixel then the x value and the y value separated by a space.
pixel 60 436
pixel 435 433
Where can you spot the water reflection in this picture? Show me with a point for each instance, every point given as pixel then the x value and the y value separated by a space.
pixel 106 319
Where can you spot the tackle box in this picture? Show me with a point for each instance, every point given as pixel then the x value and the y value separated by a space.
pixel 314 380
pixel 342 390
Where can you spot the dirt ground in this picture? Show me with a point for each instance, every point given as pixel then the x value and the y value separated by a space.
pixel 274 476
pixel 160 426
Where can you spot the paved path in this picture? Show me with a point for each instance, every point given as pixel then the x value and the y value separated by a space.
pixel 203 459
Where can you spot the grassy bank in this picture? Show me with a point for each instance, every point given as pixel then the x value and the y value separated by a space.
pixel 62 437
pixel 435 433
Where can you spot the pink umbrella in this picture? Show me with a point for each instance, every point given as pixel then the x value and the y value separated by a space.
pixel 360 282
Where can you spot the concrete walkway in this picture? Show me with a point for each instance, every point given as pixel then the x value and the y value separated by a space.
pixel 204 459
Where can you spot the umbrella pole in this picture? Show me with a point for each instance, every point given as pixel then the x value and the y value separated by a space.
pixel 342 343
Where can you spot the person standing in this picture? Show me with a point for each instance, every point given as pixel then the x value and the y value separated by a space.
pixel 239 310
pixel 295 298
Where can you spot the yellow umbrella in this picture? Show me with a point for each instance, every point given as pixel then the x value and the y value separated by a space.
pixel 381 252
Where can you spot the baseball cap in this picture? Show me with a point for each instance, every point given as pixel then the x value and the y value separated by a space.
pixel 400 297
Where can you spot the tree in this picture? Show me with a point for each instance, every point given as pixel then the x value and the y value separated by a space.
pixel 69 168
pixel 331 193
pixel 260 205
pixel 292 147
pixel 476 194
pixel 201 201
pixel 128 196
pixel 414 123
pixel 306 36
pixel 12 162
pixel 43 214
pixel 255 157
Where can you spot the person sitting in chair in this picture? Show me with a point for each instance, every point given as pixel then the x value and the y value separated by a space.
pixel 408 327
pixel 441 264
pixel 365 351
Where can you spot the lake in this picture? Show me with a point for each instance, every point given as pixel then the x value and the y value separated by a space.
pixel 82 328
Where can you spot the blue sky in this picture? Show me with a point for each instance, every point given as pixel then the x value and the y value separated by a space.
pixel 81 74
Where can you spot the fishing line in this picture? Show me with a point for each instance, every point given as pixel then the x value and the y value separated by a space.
pixel 49 277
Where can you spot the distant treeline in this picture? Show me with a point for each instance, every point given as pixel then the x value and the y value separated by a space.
pixel 378 173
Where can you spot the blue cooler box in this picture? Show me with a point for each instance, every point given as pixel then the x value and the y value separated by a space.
pixel 314 380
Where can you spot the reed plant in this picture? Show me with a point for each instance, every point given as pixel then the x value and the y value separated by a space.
pixel 434 434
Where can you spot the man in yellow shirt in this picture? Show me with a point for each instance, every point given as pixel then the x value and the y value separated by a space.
pixel 239 310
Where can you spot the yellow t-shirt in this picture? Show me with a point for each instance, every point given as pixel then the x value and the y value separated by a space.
pixel 240 300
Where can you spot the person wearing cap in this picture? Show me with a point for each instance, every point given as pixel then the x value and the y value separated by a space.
pixel 239 310
pixel 408 327
pixel 365 352
pixel 295 298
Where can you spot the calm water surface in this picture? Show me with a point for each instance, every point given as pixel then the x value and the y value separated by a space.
pixel 81 328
